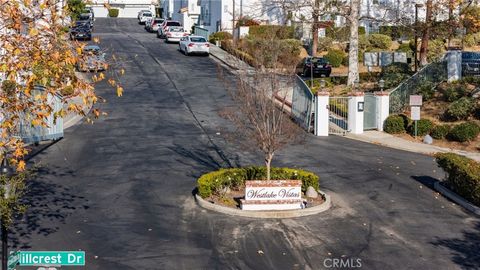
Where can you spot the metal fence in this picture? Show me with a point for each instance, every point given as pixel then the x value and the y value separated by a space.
pixel 198 31
pixel 54 127
pixel 433 73
pixel 302 104
pixel 338 115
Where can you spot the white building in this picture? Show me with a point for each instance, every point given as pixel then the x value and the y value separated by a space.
pixel 127 8
pixel 187 12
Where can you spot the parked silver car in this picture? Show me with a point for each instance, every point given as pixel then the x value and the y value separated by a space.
pixel 152 25
pixel 92 59
pixel 174 34
pixel 194 44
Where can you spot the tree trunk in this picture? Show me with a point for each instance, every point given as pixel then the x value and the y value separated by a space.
pixel 268 164
pixel 426 34
pixel 316 11
pixel 353 73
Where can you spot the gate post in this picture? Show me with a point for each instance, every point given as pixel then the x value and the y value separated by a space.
pixel 355 112
pixel 454 66
pixel 321 114
pixel 383 108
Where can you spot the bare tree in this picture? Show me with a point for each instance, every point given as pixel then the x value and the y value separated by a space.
pixel 260 116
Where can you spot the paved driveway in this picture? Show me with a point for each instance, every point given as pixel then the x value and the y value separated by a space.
pixel 121 189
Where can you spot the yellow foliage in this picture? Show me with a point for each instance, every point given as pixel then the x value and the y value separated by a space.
pixel 119 91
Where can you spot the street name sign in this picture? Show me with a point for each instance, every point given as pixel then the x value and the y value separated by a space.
pixel 46 258
pixel 415 113
pixel 415 100
pixel 13 260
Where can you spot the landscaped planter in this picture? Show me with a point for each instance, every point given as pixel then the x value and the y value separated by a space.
pixel 232 189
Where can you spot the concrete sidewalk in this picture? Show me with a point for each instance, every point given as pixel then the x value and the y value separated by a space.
pixel 385 139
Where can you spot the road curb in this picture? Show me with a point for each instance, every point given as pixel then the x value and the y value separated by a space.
pixel 267 214
pixel 456 198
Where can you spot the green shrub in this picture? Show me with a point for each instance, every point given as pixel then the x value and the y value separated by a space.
pixel 471 80
pixel 405 47
pixel 396 68
pixel 424 126
pixel 395 73
pixel 113 12
pixel 426 89
pixel 342 33
pixel 469 40
pixel 454 92
pixel 463 175
pixel 436 48
pixel 396 32
pixel 271 31
pixel 324 44
pixel 464 132
pixel 440 132
pixel 234 178
pixel 219 36
pixel 380 41
pixel 394 124
pixel 335 57
pixel 460 109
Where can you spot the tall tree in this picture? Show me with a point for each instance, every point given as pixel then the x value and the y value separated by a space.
pixel 426 33
pixel 353 18
pixel 260 118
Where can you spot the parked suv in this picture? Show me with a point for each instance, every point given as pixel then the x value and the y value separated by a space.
pixel 470 64
pixel 318 65
pixel 145 16
pixel 164 26
pixel 153 25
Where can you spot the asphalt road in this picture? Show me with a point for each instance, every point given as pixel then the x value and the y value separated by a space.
pixel 120 189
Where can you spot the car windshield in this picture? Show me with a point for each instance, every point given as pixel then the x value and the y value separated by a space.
pixel 471 56
pixel 147 14
pixel 173 24
pixel 198 39
pixel 317 60
pixel 158 20
pixel 175 29
pixel 92 50
pixel 84 17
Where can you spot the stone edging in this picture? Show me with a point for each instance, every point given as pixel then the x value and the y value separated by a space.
pixel 456 198
pixel 267 214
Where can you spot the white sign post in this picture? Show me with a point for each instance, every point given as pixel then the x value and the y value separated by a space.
pixel 415 104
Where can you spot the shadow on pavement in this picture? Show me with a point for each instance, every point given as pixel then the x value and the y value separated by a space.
pixel 465 250
pixel 48 205
pixel 426 180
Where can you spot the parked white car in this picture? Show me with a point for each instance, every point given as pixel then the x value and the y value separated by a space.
pixel 194 44
pixel 174 34
pixel 152 25
pixel 145 16
pixel 164 27
pixel 141 12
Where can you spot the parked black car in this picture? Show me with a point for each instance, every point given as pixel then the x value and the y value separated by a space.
pixel 318 65
pixel 470 64
pixel 83 32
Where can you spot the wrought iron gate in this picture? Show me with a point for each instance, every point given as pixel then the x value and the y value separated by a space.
pixel 338 115
pixel 370 112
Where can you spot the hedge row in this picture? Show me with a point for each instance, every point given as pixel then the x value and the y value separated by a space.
pixel 463 175
pixel 213 182
pixel 400 123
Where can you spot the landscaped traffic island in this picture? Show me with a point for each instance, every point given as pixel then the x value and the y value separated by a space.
pixel 246 192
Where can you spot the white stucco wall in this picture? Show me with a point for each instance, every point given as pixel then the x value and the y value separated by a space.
pixel 127 8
